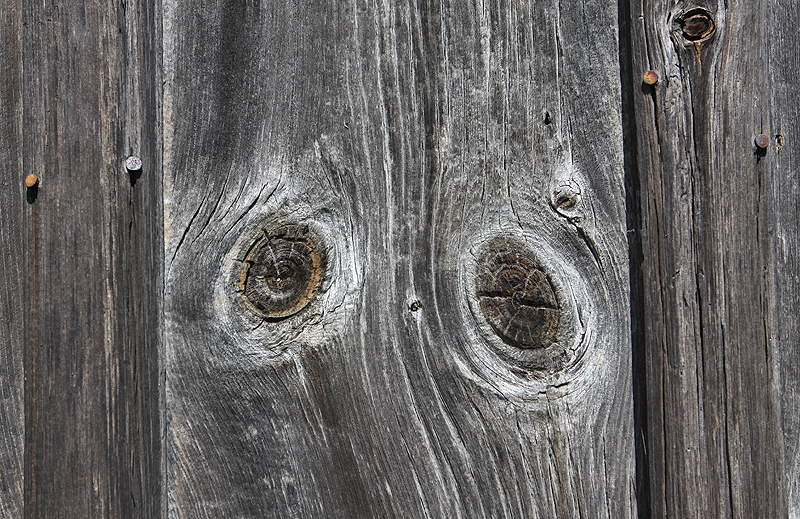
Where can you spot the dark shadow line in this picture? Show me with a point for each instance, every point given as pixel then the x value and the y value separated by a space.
pixel 635 257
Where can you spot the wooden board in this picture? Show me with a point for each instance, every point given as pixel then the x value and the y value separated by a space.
pixel 781 55
pixel 718 235
pixel 13 259
pixel 407 137
pixel 86 243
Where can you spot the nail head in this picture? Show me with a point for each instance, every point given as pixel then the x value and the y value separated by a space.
pixel 650 78
pixel 31 180
pixel 133 163
pixel 762 141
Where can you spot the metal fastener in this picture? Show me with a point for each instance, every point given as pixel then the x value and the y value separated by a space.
pixel 650 78
pixel 133 163
pixel 31 180
pixel 762 141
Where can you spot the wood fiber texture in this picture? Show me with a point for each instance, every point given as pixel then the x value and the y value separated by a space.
pixel 13 259
pixel 407 135
pixel 719 239
pixel 88 251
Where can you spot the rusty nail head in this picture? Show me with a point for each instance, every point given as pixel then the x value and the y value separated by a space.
pixel 133 163
pixel 31 180
pixel 650 77
pixel 762 141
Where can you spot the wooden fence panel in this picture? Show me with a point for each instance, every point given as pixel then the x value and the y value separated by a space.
pixel 397 159
pixel 13 261
pixel 718 231
pixel 90 240
pixel 778 60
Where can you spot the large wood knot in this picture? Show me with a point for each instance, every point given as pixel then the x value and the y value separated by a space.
pixel 516 297
pixel 282 272
pixel 697 24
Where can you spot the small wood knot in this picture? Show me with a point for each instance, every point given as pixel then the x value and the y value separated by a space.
pixel 517 298
pixel 282 272
pixel 566 197
pixel 697 24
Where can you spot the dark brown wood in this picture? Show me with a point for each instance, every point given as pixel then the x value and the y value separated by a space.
pixel 92 241
pixel 408 135
pixel 717 228
pixel 13 263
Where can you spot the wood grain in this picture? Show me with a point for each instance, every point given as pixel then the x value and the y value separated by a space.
pixel 781 57
pixel 13 261
pixel 92 240
pixel 717 222
pixel 408 135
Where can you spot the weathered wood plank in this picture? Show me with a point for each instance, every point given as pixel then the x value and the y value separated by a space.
pixel 406 136
pixel 13 261
pixel 713 242
pixel 92 239
pixel 779 60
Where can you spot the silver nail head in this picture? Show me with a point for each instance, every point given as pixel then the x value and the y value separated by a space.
pixel 133 163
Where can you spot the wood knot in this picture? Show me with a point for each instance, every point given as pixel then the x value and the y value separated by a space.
pixel 697 25
pixel 517 298
pixel 282 271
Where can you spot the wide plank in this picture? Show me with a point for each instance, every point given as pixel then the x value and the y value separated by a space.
pixel 392 153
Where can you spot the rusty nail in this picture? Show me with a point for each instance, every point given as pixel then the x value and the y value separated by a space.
pixel 133 163
pixel 650 78
pixel 762 141
pixel 31 180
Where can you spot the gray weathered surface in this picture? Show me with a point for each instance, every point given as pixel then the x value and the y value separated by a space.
pixel 719 240
pixel 13 261
pixel 91 242
pixel 780 58
pixel 406 135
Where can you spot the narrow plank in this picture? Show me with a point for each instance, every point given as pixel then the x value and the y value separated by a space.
pixel 709 244
pixel 12 263
pixel 92 239
pixel 406 135
pixel 781 57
